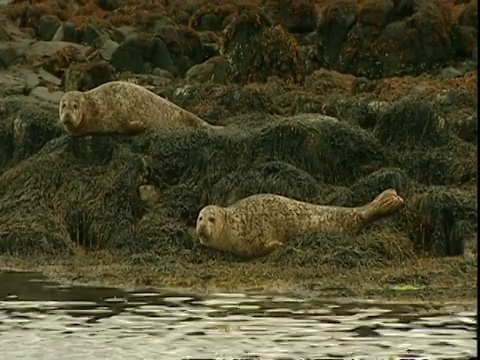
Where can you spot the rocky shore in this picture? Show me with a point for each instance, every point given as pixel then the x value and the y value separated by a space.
pixel 324 101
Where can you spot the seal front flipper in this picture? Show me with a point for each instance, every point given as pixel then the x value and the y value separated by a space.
pixel 272 246
pixel 134 127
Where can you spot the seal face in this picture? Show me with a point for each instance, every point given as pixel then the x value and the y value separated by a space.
pixel 71 110
pixel 209 225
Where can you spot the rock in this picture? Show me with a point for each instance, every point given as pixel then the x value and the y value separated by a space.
pixel 160 56
pixel 31 16
pixel 139 55
pixel 465 32
pixel 162 73
pixel 382 38
pixel 297 16
pixel 90 34
pixel 375 12
pixel 86 76
pixel 121 33
pixel 130 55
pixel 45 76
pixel 255 50
pixel 42 93
pixel 59 61
pixel 467 128
pixel 108 5
pixel 66 32
pixel 209 22
pixel 11 84
pixel 50 48
pixel 149 194
pixel 363 85
pixel 450 73
pixel 26 124
pixel 48 27
pixel 107 49
pixel 333 27
pixel 8 56
pixel 214 70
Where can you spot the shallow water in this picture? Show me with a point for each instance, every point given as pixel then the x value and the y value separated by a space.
pixel 44 320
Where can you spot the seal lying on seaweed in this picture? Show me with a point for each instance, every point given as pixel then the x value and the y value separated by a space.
pixel 121 107
pixel 259 224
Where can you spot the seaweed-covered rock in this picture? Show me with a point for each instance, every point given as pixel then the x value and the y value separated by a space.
pixel 438 220
pixel 86 76
pixel 255 49
pixel 384 38
pixel 25 126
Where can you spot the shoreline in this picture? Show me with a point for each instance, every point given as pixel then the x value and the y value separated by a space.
pixel 104 270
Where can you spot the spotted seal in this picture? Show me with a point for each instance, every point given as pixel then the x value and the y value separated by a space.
pixel 122 107
pixel 259 224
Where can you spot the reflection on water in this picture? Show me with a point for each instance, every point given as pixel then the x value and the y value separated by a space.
pixel 44 320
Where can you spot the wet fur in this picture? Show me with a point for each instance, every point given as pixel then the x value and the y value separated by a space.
pixel 259 224
pixel 124 108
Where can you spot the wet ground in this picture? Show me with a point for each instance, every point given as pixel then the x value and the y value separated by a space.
pixel 40 319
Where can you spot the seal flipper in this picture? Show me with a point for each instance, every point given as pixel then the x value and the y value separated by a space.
pixel 272 246
pixel 134 127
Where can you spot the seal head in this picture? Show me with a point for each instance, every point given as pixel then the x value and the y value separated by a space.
pixel 71 109
pixel 210 223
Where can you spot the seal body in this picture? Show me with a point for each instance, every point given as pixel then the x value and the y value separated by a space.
pixel 121 107
pixel 259 224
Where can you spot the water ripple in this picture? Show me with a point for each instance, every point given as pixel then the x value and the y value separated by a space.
pixel 42 320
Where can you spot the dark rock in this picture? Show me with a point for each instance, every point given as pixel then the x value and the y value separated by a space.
pixel 256 50
pixel 375 12
pixel 377 47
pixel 336 22
pixel 465 32
pixel 160 56
pixel 107 49
pixel 47 27
pixel 297 16
pixel 8 56
pixel 86 76
pixel 181 40
pixel 31 16
pixel 66 32
pixel 211 50
pixel 121 33
pixel 450 73
pixel 108 5
pixel 162 73
pixel 363 85
pixel 45 95
pixel 210 22
pixel 90 34
pixel 139 55
pixel 214 70
pixel 469 16
pixel 131 55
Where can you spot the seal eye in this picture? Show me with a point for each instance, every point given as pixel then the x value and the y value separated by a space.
pixel 211 219
pixel 75 106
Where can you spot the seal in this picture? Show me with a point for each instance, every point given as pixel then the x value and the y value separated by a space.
pixel 121 107
pixel 259 224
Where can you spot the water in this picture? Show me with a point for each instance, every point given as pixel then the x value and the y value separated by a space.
pixel 45 320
